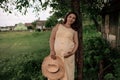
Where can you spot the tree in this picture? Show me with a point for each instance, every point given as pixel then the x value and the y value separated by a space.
pixel 34 24
pixel 51 21
pixel 75 5
pixel 20 27
pixel 59 7
pixel 20 5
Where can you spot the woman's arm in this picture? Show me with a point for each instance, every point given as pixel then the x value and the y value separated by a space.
pixel 75 39
pixel 52 40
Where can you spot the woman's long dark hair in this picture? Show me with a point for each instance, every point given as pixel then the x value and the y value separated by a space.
pixel 75 24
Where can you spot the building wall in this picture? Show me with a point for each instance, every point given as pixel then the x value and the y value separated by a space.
pixel 111 28
pixel 111 23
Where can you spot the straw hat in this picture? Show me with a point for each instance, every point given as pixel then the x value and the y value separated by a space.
pixel 53 69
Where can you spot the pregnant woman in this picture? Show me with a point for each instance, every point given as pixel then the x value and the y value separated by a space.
pixel 64 43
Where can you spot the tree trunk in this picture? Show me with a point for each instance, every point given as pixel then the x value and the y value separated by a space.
pixel 75 5
pixel 100 74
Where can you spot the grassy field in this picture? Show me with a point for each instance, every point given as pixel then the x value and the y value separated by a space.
pixel 21 53
pixel 18 48
pixel 23 42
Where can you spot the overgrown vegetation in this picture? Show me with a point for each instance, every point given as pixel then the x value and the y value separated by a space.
pixel 96 50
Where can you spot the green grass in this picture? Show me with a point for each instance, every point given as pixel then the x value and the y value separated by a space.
pixel 19 50
pixel 23 42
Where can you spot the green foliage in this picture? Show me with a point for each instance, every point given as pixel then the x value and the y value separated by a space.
pixel 34 24
pixel 89 29
pixel 97 46
pixel 20 26
pixel 59 7
pixel 30 28
pixel 27 67
pixel 117 68
pixel 52 21
pixel 96 49
pixel 89 8
pixel 109 76
pixel 20 5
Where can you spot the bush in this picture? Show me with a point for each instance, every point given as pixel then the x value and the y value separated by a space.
pixel 117 68
pixel 28 68
pixel 96 49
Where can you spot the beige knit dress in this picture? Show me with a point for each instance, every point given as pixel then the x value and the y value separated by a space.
pixel 64 44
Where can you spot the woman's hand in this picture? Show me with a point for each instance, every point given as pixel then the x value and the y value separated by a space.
pixel 53 55
pixel 68 54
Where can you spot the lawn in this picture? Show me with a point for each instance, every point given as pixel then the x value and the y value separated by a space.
pixel 26 48
pixel 17 43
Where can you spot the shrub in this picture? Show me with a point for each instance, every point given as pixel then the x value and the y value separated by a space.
pixel 96 49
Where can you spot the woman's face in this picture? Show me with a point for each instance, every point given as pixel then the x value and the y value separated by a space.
pixel 71 19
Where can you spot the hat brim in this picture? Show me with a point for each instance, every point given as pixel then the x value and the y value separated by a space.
pixel 53 75
pixel 53 68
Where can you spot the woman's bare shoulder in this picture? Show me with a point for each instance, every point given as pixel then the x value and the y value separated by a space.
pixel 56 26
